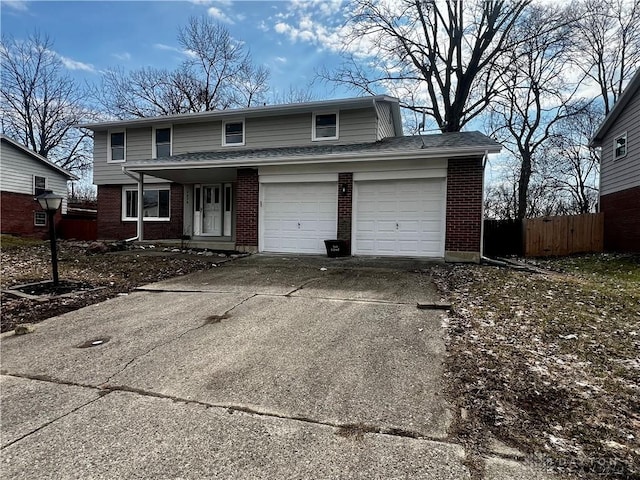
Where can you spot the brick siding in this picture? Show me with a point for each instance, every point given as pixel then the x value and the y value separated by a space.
pixel 464 205
pixel 111 226
pixel 345 206
pixel 17 216
pixel 247 200
pixel 621 220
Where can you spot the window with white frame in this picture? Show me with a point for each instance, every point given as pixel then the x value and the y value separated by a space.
pixel 40 219
pixel 39 185
pixel 233 132
pixel 620 146
pixel 117 148
pixel 161 142
pixel 156 203
pixel 325 126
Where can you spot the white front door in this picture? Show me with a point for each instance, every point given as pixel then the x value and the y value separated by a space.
pixel 211 210
pixel 400 217
pixel 298 217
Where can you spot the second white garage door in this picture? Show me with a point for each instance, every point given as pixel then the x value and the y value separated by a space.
pixel 400 217
pixel 298 217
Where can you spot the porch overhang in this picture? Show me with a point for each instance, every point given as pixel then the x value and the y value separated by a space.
pixel 185 174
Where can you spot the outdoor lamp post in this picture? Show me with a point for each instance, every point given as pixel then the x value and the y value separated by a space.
pixel 50 202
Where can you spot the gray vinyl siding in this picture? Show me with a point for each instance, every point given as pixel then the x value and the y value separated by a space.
pixel 385 121
pixel 18 169
pixel 355 126
pixel 624 173
pixel 196 137
pixel 138 144
pixel 138 147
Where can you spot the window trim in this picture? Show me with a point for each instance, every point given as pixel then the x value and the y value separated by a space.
pixel 314 137
pixel 224 134
pixel 110 151
pixel 154 146
pixel 46 184
pixel 626 145
pixel 43 214
pixel 134 188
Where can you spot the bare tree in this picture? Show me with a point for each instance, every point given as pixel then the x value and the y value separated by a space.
pixel 445 51
pixel 217 73
pixel 607 39
pixel 294 94
pixel 534 92
pixel 41 105
pixel 576 166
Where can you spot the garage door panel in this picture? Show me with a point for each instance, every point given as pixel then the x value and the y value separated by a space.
pixel 298 217
pixel 400 217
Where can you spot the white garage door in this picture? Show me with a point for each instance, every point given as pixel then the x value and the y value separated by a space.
pixel 400 217
pixel 298 217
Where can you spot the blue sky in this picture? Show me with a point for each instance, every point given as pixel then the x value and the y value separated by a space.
pixel 293 39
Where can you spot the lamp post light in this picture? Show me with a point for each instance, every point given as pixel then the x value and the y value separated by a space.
pixel 50 202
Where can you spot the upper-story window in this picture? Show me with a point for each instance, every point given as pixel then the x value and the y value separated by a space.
pixel 117 148
pixel 233 132
pixel 39 185
pixel 325 126
pixel 620 146
pixel 161 142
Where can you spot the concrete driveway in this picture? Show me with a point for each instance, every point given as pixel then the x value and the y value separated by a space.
pixel 265 367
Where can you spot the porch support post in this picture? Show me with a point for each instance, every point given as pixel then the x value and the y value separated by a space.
pixel 140 207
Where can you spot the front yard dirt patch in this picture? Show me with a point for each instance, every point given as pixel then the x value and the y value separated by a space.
pixel 110 274
pixel 549 363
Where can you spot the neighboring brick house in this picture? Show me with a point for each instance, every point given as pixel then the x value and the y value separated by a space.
pixel 284 178
pixel 619 137
pixel 23 175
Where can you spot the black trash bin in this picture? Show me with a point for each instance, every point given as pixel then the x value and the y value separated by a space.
pixel 337 248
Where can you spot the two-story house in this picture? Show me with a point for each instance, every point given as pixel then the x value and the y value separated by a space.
pixel 619 138
pixel 284 178
pixel 24 175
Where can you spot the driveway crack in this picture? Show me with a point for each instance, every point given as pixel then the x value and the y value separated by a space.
pixel 342 429
pixel 301 286
pixel 137 357
pixel 102 393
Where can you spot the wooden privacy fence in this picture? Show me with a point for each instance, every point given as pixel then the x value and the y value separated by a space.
pixel 545 236
pixel 563 235
pixel 78 229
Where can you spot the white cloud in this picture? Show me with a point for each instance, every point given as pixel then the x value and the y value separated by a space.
pixel 281 59
pixel 169 48
pixel 218 14
pixel 125 56
pixel 19 5
pixel 76 65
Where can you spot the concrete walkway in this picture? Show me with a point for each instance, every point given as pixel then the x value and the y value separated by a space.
pixel 265 367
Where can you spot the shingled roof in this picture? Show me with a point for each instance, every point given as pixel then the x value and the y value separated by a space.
pixel 455 144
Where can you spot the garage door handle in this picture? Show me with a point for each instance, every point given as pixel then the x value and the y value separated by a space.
pixel 397 226
pixel 298 224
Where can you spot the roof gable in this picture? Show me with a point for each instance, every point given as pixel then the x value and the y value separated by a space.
pixel 626 97
pixel 30 153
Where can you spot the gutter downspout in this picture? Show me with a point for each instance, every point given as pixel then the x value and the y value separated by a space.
pixel 484 165
pixel 377 127
pixel 140 223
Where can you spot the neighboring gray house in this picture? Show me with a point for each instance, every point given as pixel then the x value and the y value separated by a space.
pixel 23 175
pixel 284 178
pixel 619 137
